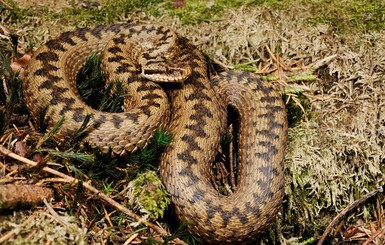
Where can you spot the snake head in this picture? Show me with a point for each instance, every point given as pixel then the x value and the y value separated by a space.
pixel 161 69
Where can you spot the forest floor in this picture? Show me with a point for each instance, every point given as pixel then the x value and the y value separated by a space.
pixel 328 61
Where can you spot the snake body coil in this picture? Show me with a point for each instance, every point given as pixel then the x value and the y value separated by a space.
pixel 139 54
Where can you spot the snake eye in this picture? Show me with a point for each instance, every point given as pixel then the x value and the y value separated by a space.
pixel 169 71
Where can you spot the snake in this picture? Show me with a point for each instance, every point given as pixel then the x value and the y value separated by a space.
pixel 167 85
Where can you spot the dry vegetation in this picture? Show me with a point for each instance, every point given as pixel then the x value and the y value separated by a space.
pixel 336 153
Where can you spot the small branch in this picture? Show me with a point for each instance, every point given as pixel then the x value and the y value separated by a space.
pixel 374 235
pixel 277 60
pixel 13 195
pixel 6 5
pixel 223 65
pixel 345 211
pixel 51 180
pixel 130 239
pixel 92 189
pixel 322 62
pixel 56 216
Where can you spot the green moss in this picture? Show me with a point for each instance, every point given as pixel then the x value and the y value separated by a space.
pixel 343 15
pixel 346 15
pixel 153 7
pixel 88 16
pixel 17 14
pixel 196 11
pixel 151 194
pixel 112 11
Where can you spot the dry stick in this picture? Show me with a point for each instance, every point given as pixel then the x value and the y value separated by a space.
pixel 223 65
pixel 374 235
pixel 130 239
pixel 276 59
pixel 101 195
pixel 56 216
pixel 5 5
pixel 380 213
pixel 12 195
pixel 322 62
pixel 347 209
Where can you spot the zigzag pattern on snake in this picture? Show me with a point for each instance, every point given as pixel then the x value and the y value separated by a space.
pixel 140 55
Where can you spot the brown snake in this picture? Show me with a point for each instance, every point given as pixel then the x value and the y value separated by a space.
pixel 138 55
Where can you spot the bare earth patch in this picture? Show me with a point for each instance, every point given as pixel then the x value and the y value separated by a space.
pixel 336 153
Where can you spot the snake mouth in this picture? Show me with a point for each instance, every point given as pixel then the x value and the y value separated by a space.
pixel 166 74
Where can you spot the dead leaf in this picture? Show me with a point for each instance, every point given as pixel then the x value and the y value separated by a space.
pixel 20 65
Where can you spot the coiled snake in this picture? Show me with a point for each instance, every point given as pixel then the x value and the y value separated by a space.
pixel 138 55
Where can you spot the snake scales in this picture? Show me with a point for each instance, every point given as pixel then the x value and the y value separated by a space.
pixel 138 55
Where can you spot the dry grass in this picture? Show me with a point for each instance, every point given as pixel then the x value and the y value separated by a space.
pixel 336 153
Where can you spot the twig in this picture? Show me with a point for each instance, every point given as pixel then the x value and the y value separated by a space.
pixel 130 239
pixel 380 214
pixel 50 180
pixel 56 216
pixel 374 235
pixel 322 62
pixel 345 211
pixel 223 65
pixel 381 230
pixel 277 60
pixel 13 195
pixel 92 189
pixel 6 5
pixel 107 216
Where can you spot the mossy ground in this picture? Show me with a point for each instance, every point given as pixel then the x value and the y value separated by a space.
pixel 335 151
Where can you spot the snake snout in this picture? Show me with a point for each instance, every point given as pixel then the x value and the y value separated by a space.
pixel 166 73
